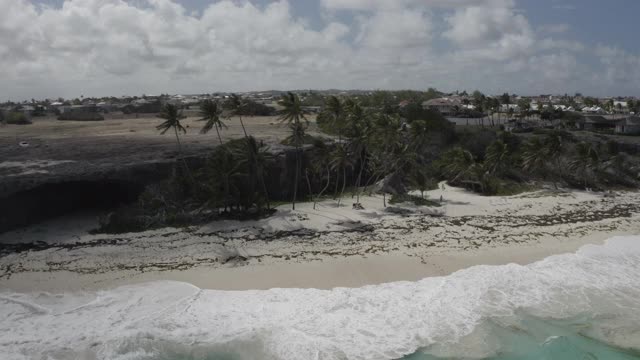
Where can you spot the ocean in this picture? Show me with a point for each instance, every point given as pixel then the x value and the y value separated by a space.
pixel 584 305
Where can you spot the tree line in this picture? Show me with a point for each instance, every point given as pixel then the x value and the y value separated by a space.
pixel 383 148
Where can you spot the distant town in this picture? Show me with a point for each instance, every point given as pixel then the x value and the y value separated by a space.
pixel 514 112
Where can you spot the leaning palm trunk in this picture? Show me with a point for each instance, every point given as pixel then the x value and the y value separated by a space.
pixel 184 162
pixel 335 192
pixel 359 179
pixel 264 189
pixel 243 128
pixel 306 176
pixel 323 189
pixel 296 177
pixel 344 184
pixel 375 177
pixel 219 137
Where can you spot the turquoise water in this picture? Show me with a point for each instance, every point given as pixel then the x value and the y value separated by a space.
pixel 530 339
pixel 536 339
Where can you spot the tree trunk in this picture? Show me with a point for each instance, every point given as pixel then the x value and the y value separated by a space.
pixel 344 183
pixel 324 188
pixel 384 199
pixel 295 184
pixel 264 188
pixel 306 175
pixel 335 191
pixel 219 137
pixel 359 179
pixel 186 167
pixel 243 128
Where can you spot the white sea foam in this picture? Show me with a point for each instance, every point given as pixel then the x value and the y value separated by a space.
pixel 374 322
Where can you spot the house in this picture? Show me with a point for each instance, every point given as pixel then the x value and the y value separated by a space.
pixel 80 113
pixel 595 122
pixel 593 110
pixel 92 108
pixel 446 106
pixel 620 105
pixel 509 107
pixel 628 126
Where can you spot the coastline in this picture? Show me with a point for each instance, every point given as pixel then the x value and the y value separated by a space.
pixel 327 248
pixel 325 274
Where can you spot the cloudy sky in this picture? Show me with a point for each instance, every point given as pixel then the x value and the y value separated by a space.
pixel 68 48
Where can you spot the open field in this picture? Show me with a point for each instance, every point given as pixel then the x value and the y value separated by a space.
pixel 49 138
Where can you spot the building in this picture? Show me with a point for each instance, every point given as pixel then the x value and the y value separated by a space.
pixel 628 126
pixel 593 110
pixel 595 123
pixel 446 106
pixel 509 107
pixel 80 113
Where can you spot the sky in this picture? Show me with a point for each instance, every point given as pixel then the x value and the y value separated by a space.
pixel 69 48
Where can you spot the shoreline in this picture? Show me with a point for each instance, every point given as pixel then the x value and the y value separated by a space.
pixel 324 248
pixel 348 272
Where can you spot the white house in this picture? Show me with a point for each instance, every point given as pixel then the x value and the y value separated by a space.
pixel 506 107
pixel 446 106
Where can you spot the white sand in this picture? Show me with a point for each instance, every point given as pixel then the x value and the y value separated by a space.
pixel 324 248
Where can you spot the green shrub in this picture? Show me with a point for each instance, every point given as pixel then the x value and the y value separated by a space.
pixel 417 200
pixel 17 118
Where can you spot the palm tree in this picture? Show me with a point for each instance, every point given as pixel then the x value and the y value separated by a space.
pixel 293 114
pixel 623 167
pixel 225 170
pixel 535 155
pixel 340 161
pixel 419 134
pixel 631 106
pixel 255 156
pixel 457 164
pixel 210 112
pixel 359 130
pixel 609 105
pixel 172 116
pixel 497 157
pixel 420 180
pixel 237 105
pixel 334 111
pixel 585 160
pixel 318 168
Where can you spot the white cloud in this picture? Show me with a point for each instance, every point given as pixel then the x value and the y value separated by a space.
pixel 490 32
pixel 620 68
pixel 554 28
pixel 396 29
pixel 369 5
pixel 553 44
pixel 103 47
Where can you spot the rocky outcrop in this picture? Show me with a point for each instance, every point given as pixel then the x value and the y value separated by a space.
pixel 46 180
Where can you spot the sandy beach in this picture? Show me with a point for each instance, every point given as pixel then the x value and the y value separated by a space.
pixel 323 248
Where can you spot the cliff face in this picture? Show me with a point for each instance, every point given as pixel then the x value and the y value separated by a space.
pixel 51 178
pixel 65 178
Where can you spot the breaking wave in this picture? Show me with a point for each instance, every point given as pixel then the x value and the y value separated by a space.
pixel 473 313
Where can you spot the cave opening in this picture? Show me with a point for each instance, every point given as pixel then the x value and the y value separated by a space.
pixel 55 200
